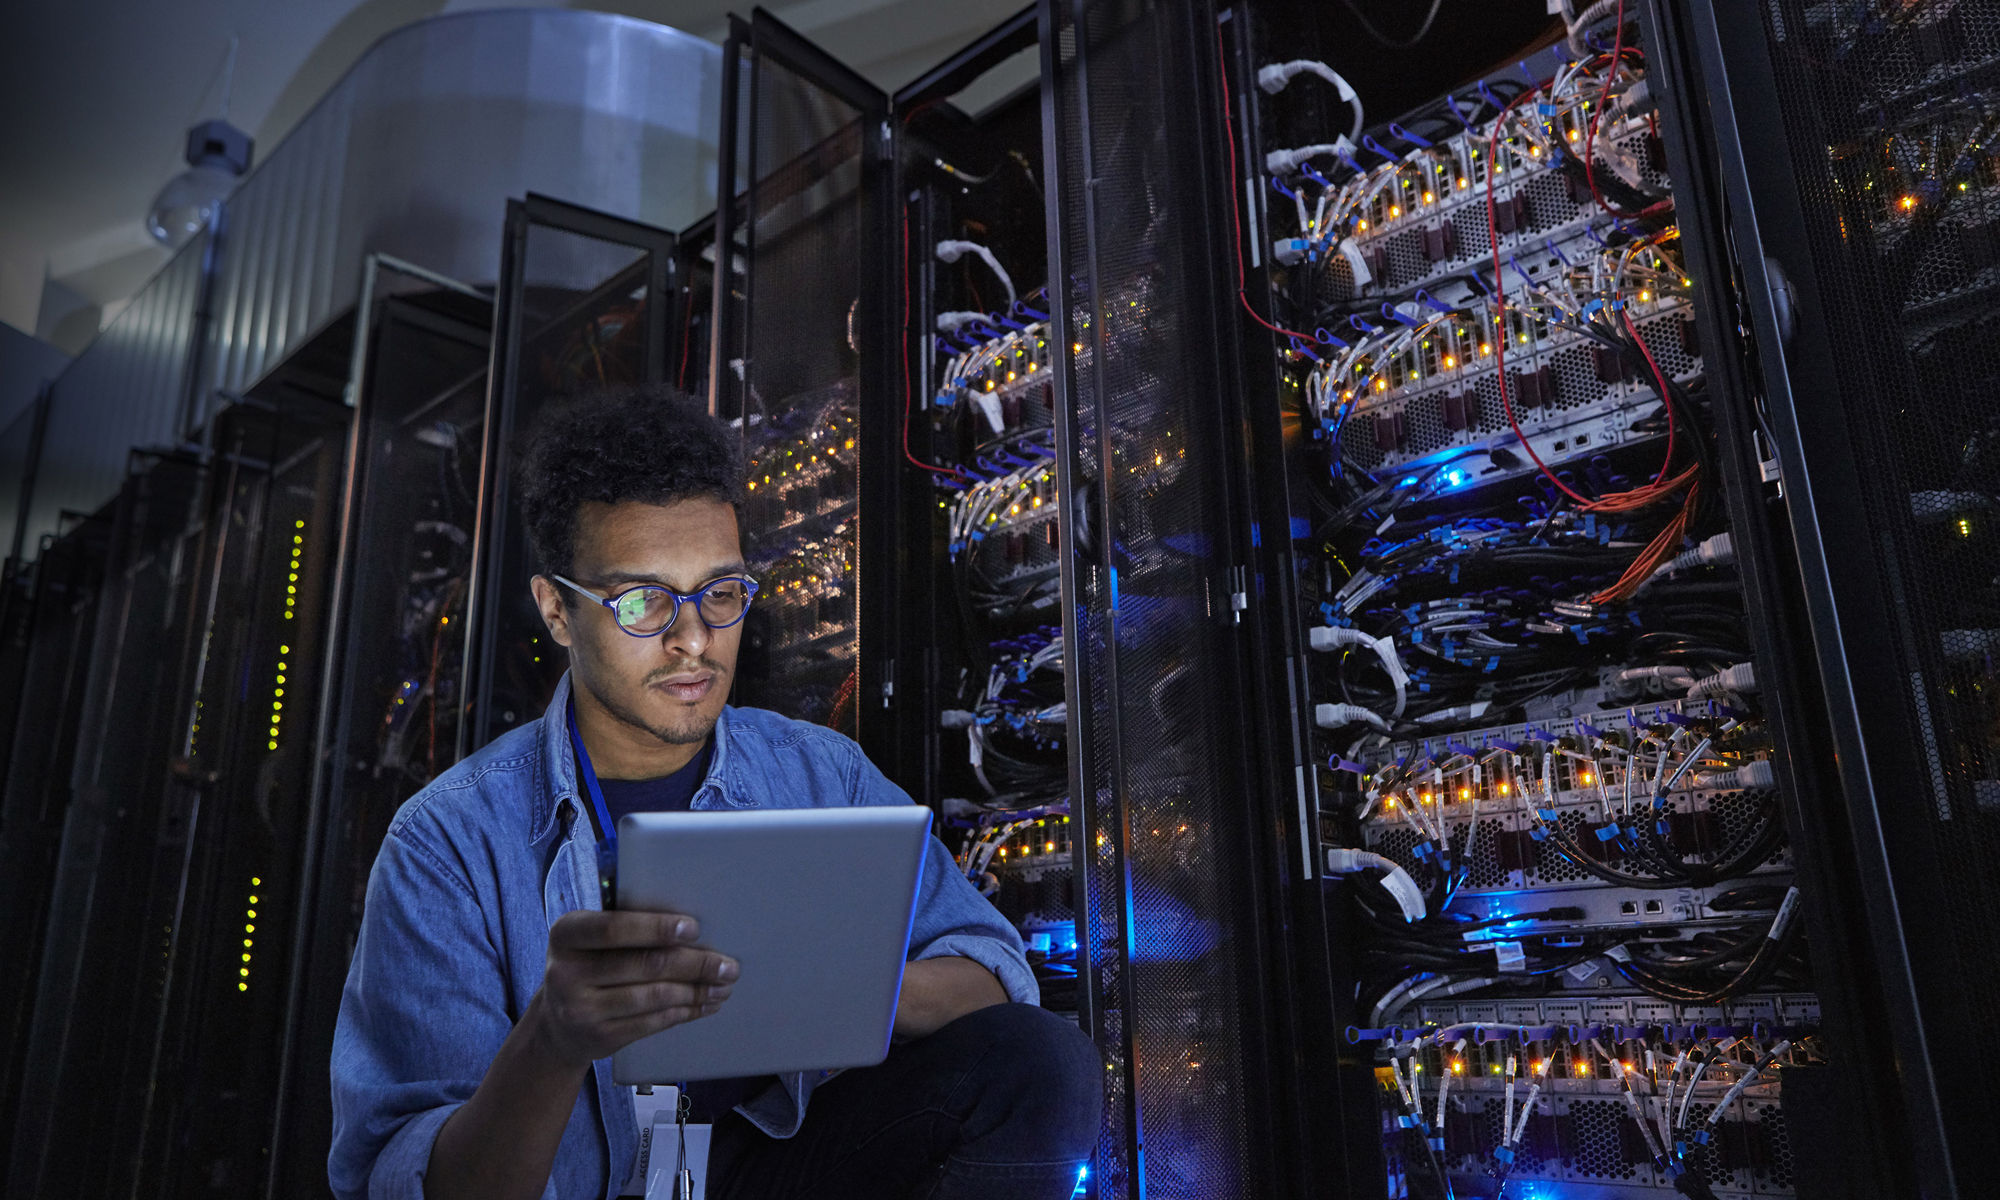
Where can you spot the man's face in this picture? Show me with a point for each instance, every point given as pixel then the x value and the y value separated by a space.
pixel 673 685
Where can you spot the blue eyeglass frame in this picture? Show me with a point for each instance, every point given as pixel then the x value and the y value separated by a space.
pixel 610 603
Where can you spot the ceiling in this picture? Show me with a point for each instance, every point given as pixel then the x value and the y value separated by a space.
pixel 103 92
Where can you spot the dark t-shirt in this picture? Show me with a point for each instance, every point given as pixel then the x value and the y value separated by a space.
pixel 709 1098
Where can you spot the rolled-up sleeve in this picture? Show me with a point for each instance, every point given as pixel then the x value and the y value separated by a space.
pixel 953 920
pixel 421 1018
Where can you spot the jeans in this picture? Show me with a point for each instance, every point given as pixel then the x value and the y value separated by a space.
pixel 1001 1104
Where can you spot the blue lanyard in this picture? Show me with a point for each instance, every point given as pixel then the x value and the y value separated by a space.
pixel 607 834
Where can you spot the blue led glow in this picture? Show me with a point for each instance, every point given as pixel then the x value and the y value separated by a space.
pixel 1082 1173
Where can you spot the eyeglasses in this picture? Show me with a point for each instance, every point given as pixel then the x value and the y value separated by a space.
pixel 649 610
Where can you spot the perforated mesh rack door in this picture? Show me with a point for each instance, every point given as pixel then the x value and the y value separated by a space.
pixel 1856 140
pixel 1155 671
pixel 801 356
pixel 584 302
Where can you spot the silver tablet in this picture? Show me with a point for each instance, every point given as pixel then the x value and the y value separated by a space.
pixel 816 903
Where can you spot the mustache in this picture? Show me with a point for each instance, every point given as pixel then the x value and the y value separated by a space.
pixel 681 668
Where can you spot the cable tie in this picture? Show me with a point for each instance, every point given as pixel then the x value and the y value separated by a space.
pixel 1282 189
pixel 1299 347
pixel 1326 338
pixel 1433 303
pixel 1490 97
pixel 1369 141
pixel 1451 102
pixel 1396 314
pixel 1310 172
pixel 1407 136
pixel 1355 320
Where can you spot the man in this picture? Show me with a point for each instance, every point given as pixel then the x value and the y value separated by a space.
pixel 488 988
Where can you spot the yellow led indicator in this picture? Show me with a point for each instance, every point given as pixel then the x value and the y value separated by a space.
pixel 1503 788
pixel 242 987
pixel 1964 527
pixel 1458 1066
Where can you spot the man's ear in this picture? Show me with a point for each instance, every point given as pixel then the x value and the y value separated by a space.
pixel 549 599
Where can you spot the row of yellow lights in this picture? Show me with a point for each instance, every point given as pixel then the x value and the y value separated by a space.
pixel 249 928
pixel 1465 793
pixel 1580 1068
pixel 291 603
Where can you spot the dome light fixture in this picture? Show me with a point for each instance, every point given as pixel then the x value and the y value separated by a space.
pixel 218 153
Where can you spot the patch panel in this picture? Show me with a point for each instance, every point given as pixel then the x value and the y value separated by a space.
pixel 1556 1090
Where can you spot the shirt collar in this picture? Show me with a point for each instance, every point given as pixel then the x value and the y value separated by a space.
pixel 559 766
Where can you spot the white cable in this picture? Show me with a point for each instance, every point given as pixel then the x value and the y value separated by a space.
pixel 1274 77
pixel 1333 637
pixel 1391 1000
pixel 1284 162
pixel 1757 773
pixel 950 251
pixel 1590 16
pixel 1740 680
pixel 1409 897
pixel 952 322
pixel 1336 716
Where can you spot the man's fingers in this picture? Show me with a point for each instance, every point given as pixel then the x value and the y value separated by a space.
pixel 624 1032
pixel 684 964
pixel 583 930
pixel 616 1004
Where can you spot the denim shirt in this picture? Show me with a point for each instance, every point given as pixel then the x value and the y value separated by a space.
pixel 454 939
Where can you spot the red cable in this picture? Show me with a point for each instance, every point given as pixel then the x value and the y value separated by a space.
pixel 908 387
pixel 1603 97
pixel 1235 202
pixel 1661 485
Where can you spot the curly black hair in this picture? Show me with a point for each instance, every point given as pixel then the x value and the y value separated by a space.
pixel 647 442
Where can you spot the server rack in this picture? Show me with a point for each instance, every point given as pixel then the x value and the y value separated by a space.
pixel 799 365
pixel 85 1066
pixel 1852 157
pixel 1730 141
pixel 390 696
pixel 1181 892
pixel 50 638
pixel 242 766
pixel 585 299
pixel 983 729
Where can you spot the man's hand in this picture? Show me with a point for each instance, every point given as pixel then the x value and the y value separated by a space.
pixel 614 977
